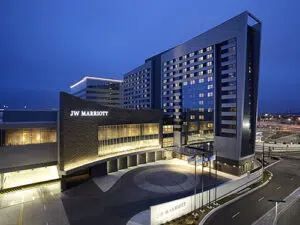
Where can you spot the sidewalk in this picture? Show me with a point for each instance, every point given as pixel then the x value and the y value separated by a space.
pixel 269 217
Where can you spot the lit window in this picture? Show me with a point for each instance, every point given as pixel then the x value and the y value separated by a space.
pixel 210 86
pixel 201 110
pixel 184 83
pixel 201 51
pixel 184 56
pixel 176 110
pixel 191 75
pixel 209 64
pixel 200 58
pixel 209 78
pixel 165 63
pixel 191 54
pixel 192 61
pixel 209 71
pixel 201 117
pixel 192 81
pixel 209 94
pixel 165 69
pixel 209 110
pixel 201 95
pixel 200 73
pixel 185 63
pixel 192 68
pixel 192 117
pixel 209 56
pixel 208 48
pixel 201 102
pixel 201 80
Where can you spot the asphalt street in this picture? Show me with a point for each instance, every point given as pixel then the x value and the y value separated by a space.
pixel 87 204
pixel 291 215
pixel 286 178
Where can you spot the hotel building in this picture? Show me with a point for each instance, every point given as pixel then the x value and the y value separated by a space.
pixel 209 88
pixel 101 90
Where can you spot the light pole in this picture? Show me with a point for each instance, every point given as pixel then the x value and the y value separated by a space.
pixel 276 208
pixel 202 181
pixel 216 176
pixel 209 161
pixel 195 186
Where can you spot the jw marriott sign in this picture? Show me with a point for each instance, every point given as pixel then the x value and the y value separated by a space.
pixel 88 113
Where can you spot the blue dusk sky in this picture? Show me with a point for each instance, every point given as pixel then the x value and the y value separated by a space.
pixel 47 45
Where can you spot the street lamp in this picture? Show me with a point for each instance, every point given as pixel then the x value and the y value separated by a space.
pixel 276 207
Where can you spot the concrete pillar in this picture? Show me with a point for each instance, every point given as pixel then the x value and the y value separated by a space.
pixel 150 157
pixel 132 160
pixel 1 181
pixel 142 158
pixel 112 166
pixel 122 163
pixel 99 170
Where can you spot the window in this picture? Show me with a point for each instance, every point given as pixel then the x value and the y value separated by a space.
pixel 201 110
pixel 201 95
pixel 191 54
pixel 201 102
pixel 200 58
pixel 208 48
pixel 192 61
pixel 209 71
pixel 210 86
pixel 165 63
pixel 201 80
pixel 209 64
pixel 184 83
pixel 200 51
pixel 209 78
pixel 201 117
pixel 192 117
pixel 209 56
pixel 192 82
pixel 209 94
pixel 209 110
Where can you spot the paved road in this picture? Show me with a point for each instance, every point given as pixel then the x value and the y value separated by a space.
pixel 87 204
pixel 291 215
pixel 250 208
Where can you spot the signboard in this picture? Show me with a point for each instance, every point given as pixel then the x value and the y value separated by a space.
pixel 85 113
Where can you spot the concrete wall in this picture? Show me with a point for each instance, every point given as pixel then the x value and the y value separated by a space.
pixel 168 211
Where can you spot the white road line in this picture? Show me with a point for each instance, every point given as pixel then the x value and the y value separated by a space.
pixel 261 199
pixel 278 188
pixel 235 215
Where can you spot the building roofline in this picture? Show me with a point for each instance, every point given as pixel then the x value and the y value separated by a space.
pixel 95 78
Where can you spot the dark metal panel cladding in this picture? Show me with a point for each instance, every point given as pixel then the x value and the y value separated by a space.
pixel 79 135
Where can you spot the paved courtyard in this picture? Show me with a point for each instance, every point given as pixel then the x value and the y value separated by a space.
pixel 112 200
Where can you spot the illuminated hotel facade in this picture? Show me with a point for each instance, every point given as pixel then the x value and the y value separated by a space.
pixel 201 91
pixel 81 138
pixel 208 89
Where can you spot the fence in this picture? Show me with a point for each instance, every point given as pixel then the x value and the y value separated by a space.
pixel 168 211
pixel 277 147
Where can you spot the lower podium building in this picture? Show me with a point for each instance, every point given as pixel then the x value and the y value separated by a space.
pixel 80 140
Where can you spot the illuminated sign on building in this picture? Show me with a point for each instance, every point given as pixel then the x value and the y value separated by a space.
pixel 88 113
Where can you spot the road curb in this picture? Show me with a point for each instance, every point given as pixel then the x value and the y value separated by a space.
pixel 234 200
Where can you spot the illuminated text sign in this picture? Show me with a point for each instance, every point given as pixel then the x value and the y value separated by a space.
pixel 88 113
